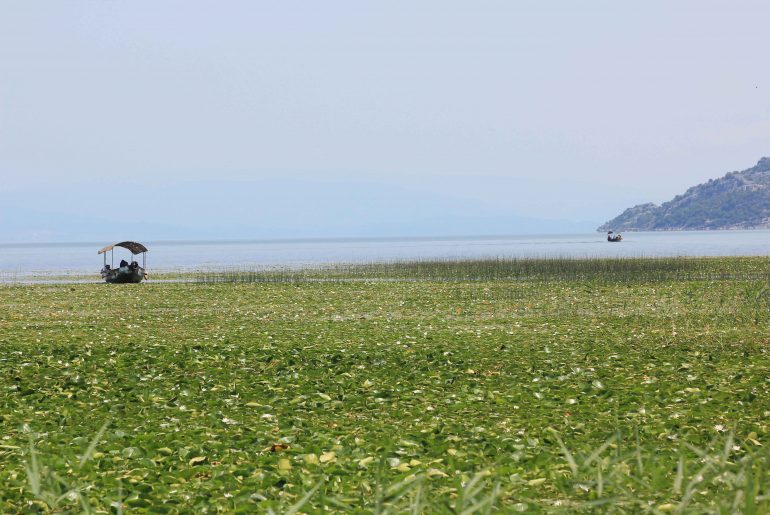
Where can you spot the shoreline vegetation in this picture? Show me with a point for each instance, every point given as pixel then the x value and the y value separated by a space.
pixel 478 386
pixel 608 269
pixel 509 269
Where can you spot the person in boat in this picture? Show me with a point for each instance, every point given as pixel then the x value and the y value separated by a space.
pixel 123 263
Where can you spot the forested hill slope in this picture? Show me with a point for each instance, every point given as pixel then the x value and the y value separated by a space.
pixel 739 200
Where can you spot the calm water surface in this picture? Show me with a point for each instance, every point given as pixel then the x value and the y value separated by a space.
pixel 56 259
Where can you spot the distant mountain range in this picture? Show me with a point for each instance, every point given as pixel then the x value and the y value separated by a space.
pixel 739 200
pixel 267 209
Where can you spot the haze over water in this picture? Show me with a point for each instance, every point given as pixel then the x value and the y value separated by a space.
pixel 194 119
pixel 81 258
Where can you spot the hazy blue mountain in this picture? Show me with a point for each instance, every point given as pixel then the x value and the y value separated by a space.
pixel 252 210
pixel 739 200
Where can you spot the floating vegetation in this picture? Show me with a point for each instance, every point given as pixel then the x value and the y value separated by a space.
pixel 449 387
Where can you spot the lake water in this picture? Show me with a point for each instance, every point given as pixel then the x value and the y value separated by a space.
pixel 48 259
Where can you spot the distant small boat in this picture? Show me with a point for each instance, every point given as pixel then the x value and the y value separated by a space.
pixel 614 238
pixel 126 272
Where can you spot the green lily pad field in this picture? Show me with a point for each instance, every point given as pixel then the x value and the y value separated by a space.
pixel 600 386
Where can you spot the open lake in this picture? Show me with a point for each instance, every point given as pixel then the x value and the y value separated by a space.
pixel 22 260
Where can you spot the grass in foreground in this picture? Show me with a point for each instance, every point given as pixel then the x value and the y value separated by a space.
pixel 556 392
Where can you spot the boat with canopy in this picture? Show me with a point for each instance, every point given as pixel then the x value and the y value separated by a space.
pixel 126 272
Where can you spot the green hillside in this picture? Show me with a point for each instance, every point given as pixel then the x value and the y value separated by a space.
pixel 739 200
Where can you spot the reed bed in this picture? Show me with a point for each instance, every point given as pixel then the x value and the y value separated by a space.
pixel 610 270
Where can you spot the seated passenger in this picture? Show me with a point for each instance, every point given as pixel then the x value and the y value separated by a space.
pixel 123 263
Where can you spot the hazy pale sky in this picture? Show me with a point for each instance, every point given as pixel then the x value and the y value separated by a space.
pixel 556 109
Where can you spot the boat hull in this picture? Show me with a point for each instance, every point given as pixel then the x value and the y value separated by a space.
pixel 124 275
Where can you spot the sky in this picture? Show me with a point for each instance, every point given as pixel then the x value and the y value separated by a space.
pixel 252 119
